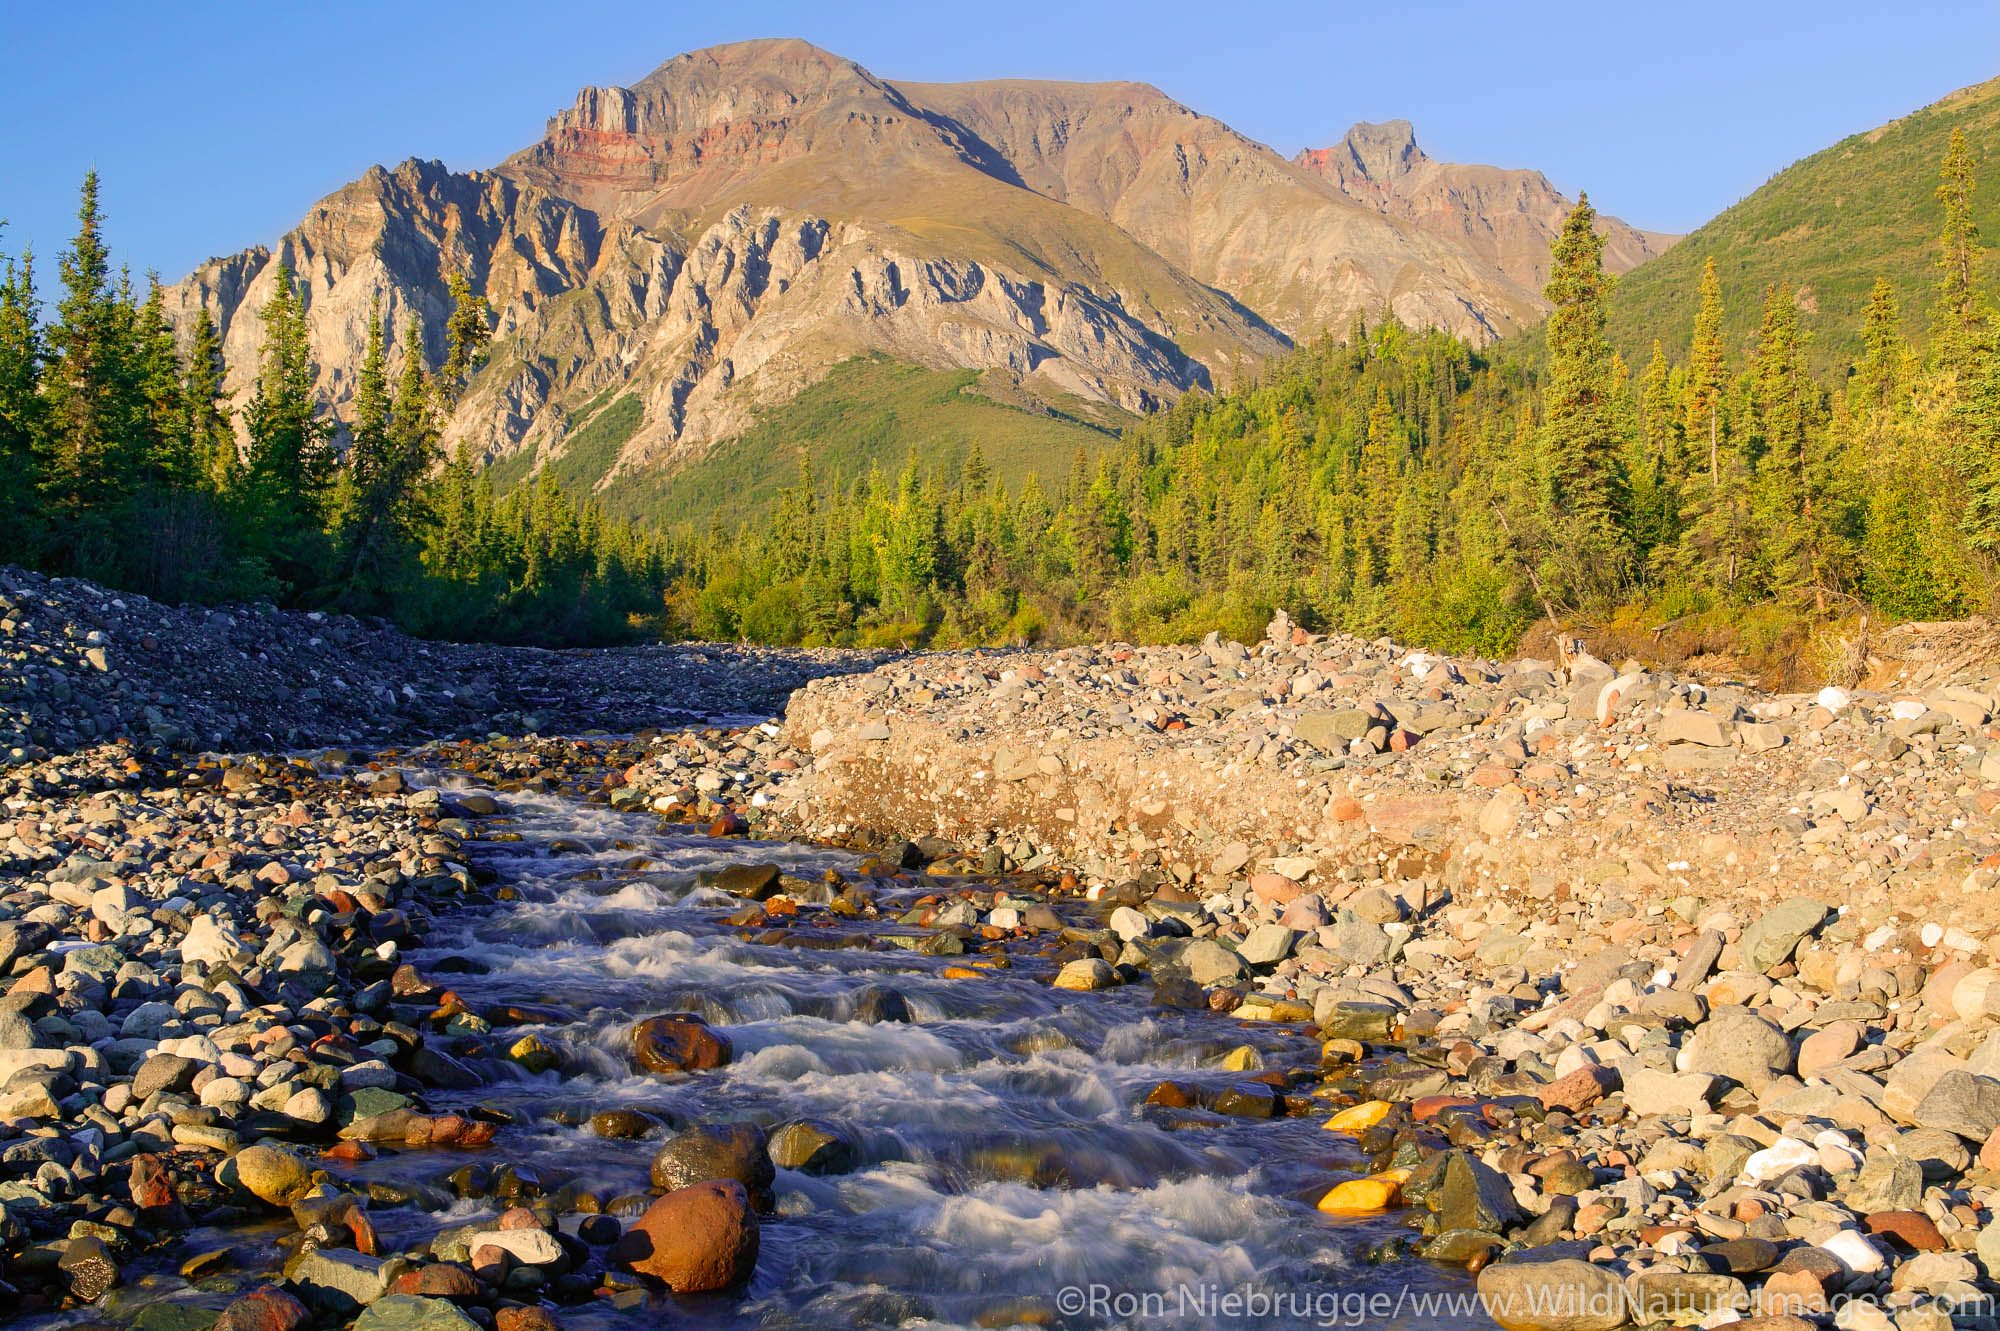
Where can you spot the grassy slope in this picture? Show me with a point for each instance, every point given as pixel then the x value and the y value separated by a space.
pixel 869 409
pixel 1830 225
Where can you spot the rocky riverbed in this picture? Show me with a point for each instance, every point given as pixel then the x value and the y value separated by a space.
pixel 1318 971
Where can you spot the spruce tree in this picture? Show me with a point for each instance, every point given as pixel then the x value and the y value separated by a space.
pixel 282 495
pixel 1878 379
pixel 87 387
pixel 466 335
pixel 1580 437
pixel 211 437
pixel 1958 312
pixel 1706 374
pixel 22 416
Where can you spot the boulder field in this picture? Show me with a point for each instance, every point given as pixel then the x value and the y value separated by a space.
pixel 1641 997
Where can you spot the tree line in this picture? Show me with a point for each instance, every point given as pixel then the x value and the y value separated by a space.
pixel 1400 480
pixel 122 459
pixel 1392 480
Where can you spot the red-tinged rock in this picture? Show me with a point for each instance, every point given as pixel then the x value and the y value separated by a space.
pixel 1791 1294
pixel 264 1309
pixel 441 1280
pixel 678 1042
pixel 1579 1090
pixel 349 1152
pixel 517 1217
pixel 525 1319
pixel 1402 741
pixel 477 1134
pixel 1913 1229
pixel 728 823
pixel 1274 888
pixel 1989 1154
pixel 1347 809
pixel 1653 1235
pixel 1592 1218
pixel 697 1238
pixel 1543 1166
pixel 152 1187
pixel 1428 1107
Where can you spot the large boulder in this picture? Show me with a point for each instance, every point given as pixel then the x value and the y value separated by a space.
pixel 701 1237
pixel 1738 1044
pixel 272 1174
pixel 413 1312
pixel 1209 963
pixel 1962 1103
pixel 1773 937
pixel 266 1308
pixel 678 1042
pixel 737 1152
pixel 1567 1295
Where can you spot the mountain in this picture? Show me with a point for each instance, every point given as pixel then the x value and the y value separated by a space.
pixel 1507 218
pixel 670 264
pixel 1830 225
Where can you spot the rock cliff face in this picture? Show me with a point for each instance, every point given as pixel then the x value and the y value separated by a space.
pixel 713 239
pixel 1506 218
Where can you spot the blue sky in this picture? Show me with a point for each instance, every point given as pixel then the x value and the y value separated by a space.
pixel 215 125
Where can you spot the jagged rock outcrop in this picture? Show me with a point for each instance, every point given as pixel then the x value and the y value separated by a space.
pixel 1507 218
pixel 713 239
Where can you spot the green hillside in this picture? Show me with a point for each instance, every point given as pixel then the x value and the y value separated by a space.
pixel 869 410
pixel 1830 225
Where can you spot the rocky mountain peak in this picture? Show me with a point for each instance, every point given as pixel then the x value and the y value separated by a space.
pixel 672 257
pixel 1384 152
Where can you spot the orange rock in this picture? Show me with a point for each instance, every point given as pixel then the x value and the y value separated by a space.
pixel 1347 809
pixel 1791 1294
pixel 1274 888
pixel 697 1238
pixel 1912 1228
pixel 1430 1106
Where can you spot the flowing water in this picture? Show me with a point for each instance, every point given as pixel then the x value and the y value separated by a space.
pixel 1008 1172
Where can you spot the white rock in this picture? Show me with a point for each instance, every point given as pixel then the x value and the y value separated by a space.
pixel 529 1247
pixel 211 943
pixel 1129 924
pixel 1907 710
pixel 1778 1159
pixel 1834 698
pixel 224 1090
pixel 1851 1248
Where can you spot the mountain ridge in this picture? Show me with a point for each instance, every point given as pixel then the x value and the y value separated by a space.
pixel 713 239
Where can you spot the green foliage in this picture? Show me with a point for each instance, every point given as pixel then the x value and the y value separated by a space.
pixel 868 411
pixel 589 455
pixel 120 461
pixel 1831 224
pixel 1403 482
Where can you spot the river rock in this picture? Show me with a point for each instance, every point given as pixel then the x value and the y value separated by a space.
pixel 1774 935
pixel 811 1148
pixel 1962 1103
pixel 1209 963
pixel 1567 1295
pixel 273 1174
pixel 735 1151
pixel 697 1238
pixel 411 1312
pixel 266 1308
pixel 1085 974
pixel 678 1042
pixel 1738 1044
